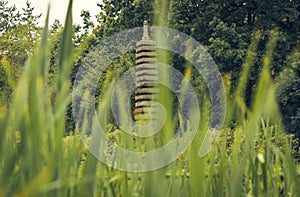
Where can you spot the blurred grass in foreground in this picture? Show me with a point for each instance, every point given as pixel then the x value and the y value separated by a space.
pixel 36 159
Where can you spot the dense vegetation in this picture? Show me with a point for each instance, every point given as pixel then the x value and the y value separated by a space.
pixel 255 44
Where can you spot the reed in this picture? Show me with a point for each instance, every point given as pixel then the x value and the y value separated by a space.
pixel 37 159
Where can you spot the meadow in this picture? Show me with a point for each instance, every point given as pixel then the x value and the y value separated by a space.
pixel 37 158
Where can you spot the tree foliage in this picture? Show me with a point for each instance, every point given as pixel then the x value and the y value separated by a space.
pixel 18 33
pixel 224 27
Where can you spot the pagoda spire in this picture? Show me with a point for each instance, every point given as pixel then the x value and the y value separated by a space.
pixel 146 31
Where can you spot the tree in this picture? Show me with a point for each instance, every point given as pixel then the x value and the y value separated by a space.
pixel 224 27
pixel 289 93
pixel 9 16
pixel 87 22
pixel 120 15
pixel 18 32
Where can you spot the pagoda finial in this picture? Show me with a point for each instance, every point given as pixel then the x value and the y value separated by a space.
pixel 146 31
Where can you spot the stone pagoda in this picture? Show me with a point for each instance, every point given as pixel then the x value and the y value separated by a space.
pixel 146 77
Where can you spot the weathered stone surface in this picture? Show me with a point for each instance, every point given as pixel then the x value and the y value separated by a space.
pixel 147 91
pixel 145 97
pixel 142 110
pixel 145 83
pixel 146 76
pixel 145 48
pixel 146 66
pixel 146 60
pixel 151 78
pixel 143 103
pixel 146 72
pixel 140 117
pixel 146 54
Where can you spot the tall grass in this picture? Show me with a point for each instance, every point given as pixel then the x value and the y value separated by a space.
pixel 36 159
